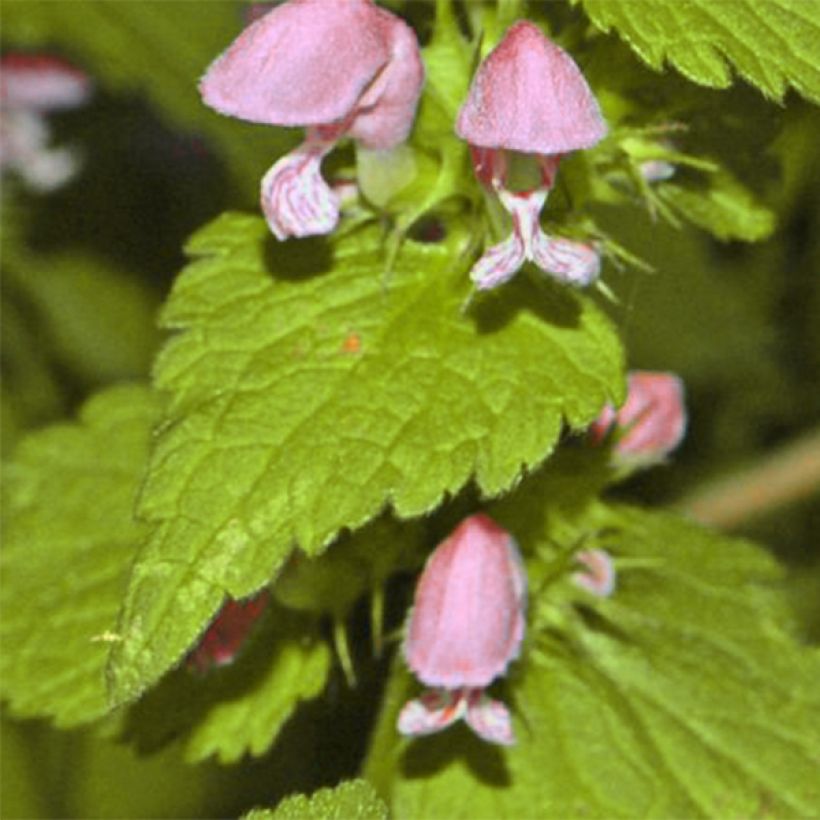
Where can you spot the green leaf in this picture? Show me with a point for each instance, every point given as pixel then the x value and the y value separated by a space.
pixel 724 207
pixel 96 320
pixel 682 695
pixel 304 398
pixel 353 800
pixel 31 391
pixel 69 542
pixel 773 44
pixel 415 179
pixel 161 49
pixel 240 708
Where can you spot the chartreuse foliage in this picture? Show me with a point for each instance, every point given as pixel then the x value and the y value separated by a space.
pixel 682 695
pixel 353 800
pixel 335 395
pixel 325 391
pixel 773 44
pixel 69 540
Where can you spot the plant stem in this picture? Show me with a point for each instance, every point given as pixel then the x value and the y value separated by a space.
pixel 787 475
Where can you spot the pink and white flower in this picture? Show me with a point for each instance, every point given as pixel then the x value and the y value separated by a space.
pixel 529 97
pixel 32 86
pixel 650 424
pixel 466 626
pixel 598 575
pixel 339 68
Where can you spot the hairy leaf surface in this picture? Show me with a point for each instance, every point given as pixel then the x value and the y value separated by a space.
pixel 772 44
pixel 308 390
pixel 353 800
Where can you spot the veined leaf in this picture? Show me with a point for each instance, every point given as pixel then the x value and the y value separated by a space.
pixel 69 541
pixel 301 404
pixel 772 44
pixel 353 800
pixel 682 695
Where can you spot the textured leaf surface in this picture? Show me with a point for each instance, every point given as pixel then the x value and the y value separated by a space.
pixel 161 49
pixel 680 696
pixel 772 44
pixel 68 544
pixel 304 399
pixel 353 800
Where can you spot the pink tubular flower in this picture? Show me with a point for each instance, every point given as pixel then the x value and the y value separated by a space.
pixel 227 634
pixel 651 423
pixel 339 68
pixel 466 625
pixel 31 86
pixel 528 96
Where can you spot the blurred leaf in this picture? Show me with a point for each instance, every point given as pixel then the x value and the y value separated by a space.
pixel 773 45
pixel 98 321
pixel 681 695
pixel 31 392
pixel 353 800
pixel 409 397
pixel 725 208
pixel 161 49
pixel 69 542
pixel 19 777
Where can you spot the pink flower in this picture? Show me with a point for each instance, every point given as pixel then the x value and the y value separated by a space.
pixel 651 423
pixel 31 86
pixel 339 68
pixel 466 626
pixel 528 96
pixel 228 632
pixel 598 575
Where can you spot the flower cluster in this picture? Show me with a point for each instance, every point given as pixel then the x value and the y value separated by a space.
pixel 350 69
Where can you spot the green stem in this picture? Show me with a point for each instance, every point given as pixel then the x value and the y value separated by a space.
pixel 342 647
